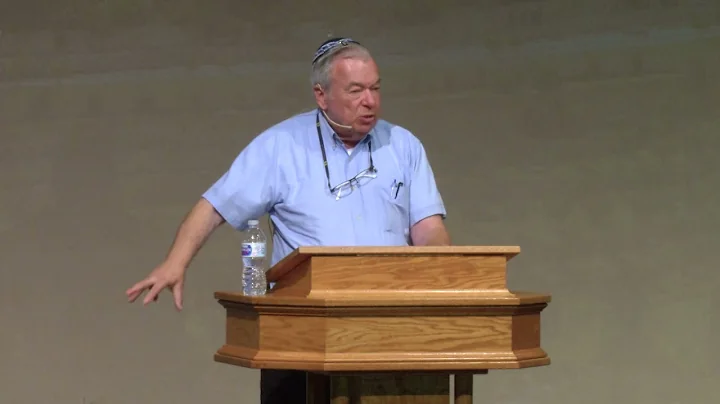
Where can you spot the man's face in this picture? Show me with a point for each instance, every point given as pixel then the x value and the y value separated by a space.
pixel 354 94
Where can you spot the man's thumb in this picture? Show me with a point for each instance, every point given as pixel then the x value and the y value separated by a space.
pixel 177 295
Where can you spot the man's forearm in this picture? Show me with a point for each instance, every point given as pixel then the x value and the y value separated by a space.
pixel 192 234
pixel 430 231
pixel 438 237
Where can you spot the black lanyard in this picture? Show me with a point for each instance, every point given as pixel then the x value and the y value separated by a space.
pixel 322 148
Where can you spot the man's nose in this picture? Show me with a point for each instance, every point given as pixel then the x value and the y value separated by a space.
pixel 369 99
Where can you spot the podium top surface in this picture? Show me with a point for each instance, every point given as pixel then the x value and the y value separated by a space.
pixel 509 251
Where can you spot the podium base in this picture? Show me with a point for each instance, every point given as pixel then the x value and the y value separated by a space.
pixel 389 388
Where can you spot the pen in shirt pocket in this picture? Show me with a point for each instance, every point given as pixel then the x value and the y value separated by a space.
pixel 396 188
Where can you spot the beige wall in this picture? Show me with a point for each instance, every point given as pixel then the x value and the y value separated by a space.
pixel 588 131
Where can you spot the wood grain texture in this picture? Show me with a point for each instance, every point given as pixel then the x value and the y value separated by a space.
pixel 256 359
pixel 508 251
pixel 302 254
pixel 370 334
pixel 427 273
pixel 411 338
pixel 324 274
pixel 386 299
pixel 379 309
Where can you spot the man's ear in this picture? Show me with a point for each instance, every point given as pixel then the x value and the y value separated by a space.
pixel 320 97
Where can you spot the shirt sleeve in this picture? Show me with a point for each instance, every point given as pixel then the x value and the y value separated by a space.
pixel 425 198
pixel 248 189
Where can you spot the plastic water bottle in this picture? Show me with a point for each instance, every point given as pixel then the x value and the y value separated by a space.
pixel 253 254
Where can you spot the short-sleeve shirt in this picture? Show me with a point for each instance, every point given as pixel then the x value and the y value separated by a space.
pixel 282 173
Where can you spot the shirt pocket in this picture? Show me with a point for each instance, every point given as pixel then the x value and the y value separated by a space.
pixel 397 212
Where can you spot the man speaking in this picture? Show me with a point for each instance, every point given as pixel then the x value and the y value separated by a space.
pixel 334 176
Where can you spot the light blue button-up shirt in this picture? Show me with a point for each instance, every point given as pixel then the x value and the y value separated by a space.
pixel 281 173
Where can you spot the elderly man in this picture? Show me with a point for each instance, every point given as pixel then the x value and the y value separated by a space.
pixel 336 175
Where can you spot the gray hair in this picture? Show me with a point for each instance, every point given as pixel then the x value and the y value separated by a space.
pixel 321 69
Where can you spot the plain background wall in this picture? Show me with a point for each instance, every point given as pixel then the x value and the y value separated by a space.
pixel 584 131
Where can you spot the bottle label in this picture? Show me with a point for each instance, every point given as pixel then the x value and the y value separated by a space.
pixel 253 250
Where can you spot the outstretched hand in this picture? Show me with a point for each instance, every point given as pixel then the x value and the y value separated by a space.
pixel 164 276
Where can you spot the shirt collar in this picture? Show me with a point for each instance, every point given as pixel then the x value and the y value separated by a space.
pixel 326 129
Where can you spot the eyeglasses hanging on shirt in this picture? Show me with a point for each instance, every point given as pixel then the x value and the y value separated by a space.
pixel 346 187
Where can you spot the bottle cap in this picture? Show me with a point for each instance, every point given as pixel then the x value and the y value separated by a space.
pixel 253 222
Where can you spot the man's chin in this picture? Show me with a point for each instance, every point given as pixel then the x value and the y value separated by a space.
pixel 364 125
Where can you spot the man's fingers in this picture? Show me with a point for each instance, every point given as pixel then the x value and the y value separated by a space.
pixel 154 285
pixel 133 296
pixel 138 288
pixel 152 294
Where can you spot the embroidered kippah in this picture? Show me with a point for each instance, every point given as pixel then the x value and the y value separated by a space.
pixel 330 44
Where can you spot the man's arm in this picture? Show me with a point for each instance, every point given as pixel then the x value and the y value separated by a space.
pixel 194 231
pixel 430 231
pixel 191 235
pixel 244 192
pixel 427 210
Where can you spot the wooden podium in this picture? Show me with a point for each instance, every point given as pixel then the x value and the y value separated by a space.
pixel 387 324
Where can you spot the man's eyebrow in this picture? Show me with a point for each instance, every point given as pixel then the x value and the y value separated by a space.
pixel 357 84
